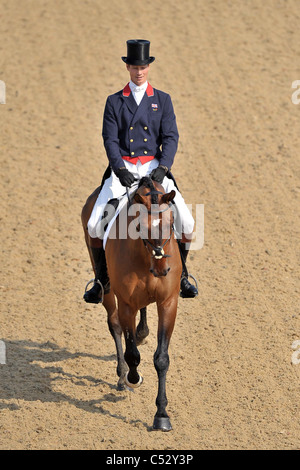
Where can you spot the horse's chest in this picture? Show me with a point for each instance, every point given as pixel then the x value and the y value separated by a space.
pixel 148 288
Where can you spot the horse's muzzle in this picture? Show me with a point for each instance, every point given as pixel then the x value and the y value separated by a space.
pixel 159 273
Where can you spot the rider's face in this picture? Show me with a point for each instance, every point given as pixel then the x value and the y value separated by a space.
pixel 138 73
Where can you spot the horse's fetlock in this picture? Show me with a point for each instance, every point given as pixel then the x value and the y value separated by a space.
pixel 132 358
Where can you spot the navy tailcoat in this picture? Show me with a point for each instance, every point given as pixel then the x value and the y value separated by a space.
pixel 149 129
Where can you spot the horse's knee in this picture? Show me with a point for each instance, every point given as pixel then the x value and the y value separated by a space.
pixel 114 324
pixel 161 361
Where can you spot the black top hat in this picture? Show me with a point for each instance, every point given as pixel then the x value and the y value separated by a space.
pixel 138 52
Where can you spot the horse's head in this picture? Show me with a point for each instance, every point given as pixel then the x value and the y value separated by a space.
pixel 156 223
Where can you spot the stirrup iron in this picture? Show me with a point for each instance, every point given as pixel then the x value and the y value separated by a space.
pixel 186 276
pixel 101 286
pixel 194 279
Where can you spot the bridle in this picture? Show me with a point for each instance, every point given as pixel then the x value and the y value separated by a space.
pixel 158 251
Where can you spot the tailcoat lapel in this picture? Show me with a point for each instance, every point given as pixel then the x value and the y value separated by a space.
pixel 129 99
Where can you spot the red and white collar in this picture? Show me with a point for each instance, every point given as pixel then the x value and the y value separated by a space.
pixel 138 89
pixel 127 90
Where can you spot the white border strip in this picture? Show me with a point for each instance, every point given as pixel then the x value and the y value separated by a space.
pixel 2 353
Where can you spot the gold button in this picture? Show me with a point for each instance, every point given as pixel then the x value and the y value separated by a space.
pixel 131 128
pixel 145 140
pixel 132 153
pixel 131 140
pixel 145 128
pixel 145 152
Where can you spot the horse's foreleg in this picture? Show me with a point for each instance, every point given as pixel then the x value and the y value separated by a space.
pixel 116 332
pixel 167 315
pixel 132 356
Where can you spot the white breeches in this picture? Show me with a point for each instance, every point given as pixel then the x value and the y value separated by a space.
pixel 112 188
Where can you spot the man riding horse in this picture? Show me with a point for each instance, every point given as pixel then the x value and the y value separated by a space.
pixel 140 137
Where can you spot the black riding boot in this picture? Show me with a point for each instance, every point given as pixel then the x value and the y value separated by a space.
pixel 95 294
pixel 188 290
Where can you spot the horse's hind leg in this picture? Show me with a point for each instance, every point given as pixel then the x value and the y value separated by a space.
pixel 142 330
pixel 167 315
pixel 116 332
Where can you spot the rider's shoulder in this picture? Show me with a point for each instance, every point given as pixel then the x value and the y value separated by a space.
pixel 114 96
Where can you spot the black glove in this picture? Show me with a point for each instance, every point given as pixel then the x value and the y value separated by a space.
pixel 159 173
pixel 126 178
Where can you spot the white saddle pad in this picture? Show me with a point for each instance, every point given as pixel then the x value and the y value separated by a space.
pixel 122 202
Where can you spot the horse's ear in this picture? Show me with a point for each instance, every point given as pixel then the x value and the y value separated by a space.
pixel 138 198
pixel 168 197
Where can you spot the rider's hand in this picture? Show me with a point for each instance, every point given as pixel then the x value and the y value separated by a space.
pixel 126 178
pixel 159 173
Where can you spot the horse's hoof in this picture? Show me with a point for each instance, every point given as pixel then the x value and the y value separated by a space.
pixel 140 341
pixel 121 387
pixel 141 335
pixel 130 385
pixel 162 424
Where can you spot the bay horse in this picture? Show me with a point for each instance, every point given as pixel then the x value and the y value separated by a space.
pixel 142 271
